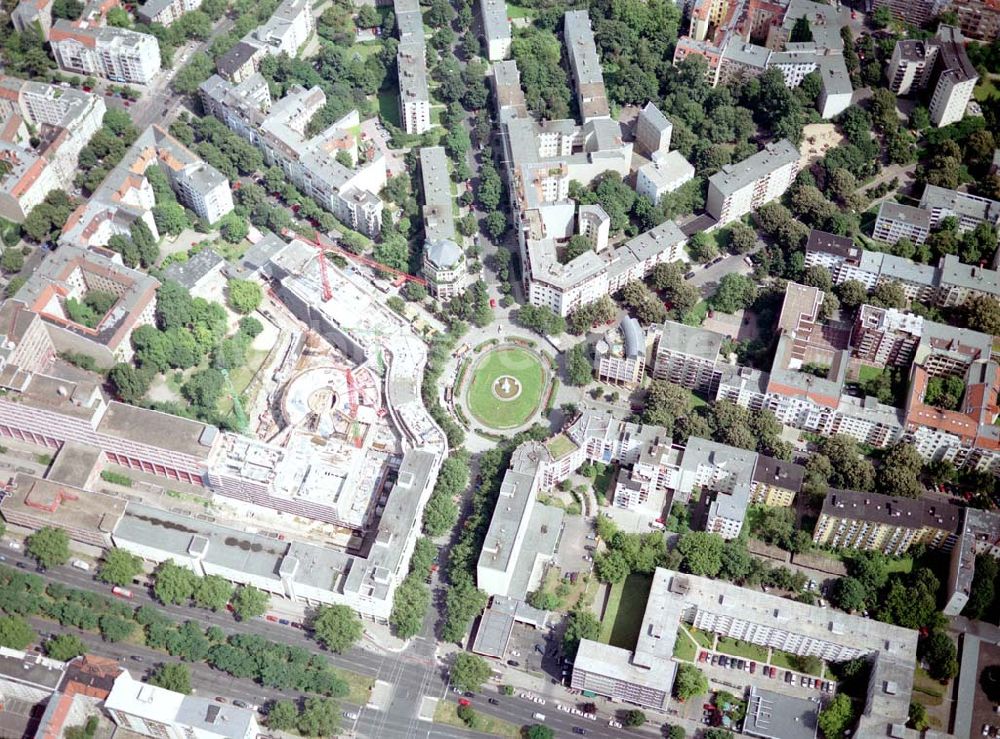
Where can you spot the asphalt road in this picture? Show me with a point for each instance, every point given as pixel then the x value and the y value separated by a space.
pixel 412 674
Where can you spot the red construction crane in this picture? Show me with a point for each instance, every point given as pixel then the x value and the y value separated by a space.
pixel 324 276
pixel 330 246
pixel 352 393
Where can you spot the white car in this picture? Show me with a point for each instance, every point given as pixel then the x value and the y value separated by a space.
pixel 615 724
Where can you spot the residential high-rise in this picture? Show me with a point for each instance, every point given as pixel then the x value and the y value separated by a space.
pixel 896 221
pixel 666 173
pixel 411 63
pixel 687 355
pixel 652 131
pixel 914 12
pixel 978 19
pixel 496 29
pixel 585 64
pixel 117 54
pixel 740 188
pixel 851 520
pixel 166 12
pixel 940 61
pixel 620 357
pixel 44 129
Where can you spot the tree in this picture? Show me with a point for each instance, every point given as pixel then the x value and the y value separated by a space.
pixel 15 633
pixel 49 547
pixel 119 567
pixel 12 260
pixel 542 320
pixel 129 383
pixel 469 671
pixel 850 595
pixel 611 566
pixel 899 470
pixel 537 731
pixel 635 718
pixel 234 228
pixel 735 291
pixel 495 224
pixel 580 624
pixel 837 717
pixel 282 716
pixel 889 295
pixel 319 717
pixel 213 591
pixel 701 553
pixel 173 584
pixel 579 371
pixel 337 627
pixel 982 313
pixel 409 606
pixel 665 403
pixel 918 717
pixel 689 682
pixel 368 17
pixel 939 652
pixel 882 16
pixel 742 238
pixel 204 387
pixel 170 218
pixel 244 295
pixel 119 18
pixel 64 647
pixel 173 676
pixel 249 602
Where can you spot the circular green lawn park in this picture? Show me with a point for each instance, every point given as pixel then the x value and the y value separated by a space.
pixel 506 387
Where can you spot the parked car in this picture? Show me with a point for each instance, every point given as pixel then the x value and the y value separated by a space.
pixel 578 730
pixel 464 702
pixel 350 715
pixel 494 702
pixel 513 663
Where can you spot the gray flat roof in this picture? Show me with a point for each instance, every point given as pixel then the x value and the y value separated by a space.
pixel 496 25
pixel 191 272
pixel 691 340
pixel 893 211
pixel 776 716
pixel 493 633
pixel 156 429
pixel 74 464
pixel 207 715
pixel 540 537
pixel 223 546
pixel 734 177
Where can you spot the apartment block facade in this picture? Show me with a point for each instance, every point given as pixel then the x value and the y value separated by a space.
pixel 739 189
pixel 116 54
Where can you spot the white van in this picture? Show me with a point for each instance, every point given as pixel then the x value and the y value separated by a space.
pixel 81 565
pixel 538 716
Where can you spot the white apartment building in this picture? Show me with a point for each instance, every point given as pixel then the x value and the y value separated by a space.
pixel 687 356
pixel 968 209
pixel 278 130
pixel 956 80
pixel 738 189
pixel 663 175
pixel 116 54
pixel 203 189
pixel 166 12
pixel 285 32
pixel 29 13
pixel 940 61
pixel 652 131
pixel 594 224
pixel 896 221
pixel 66 118
pixel 25 179
pixel 411 63
pixel 152 711
pixel 620 356
pixel 496 29
pixel 581 50
pixel 645 675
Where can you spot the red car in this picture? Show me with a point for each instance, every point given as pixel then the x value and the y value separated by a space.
pixel 463 701
pixel 493 303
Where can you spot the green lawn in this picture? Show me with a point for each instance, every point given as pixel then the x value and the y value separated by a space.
pixel 926 689
pixel 696 316
pixel 787 661
pixel 985 89
pixel 602 483
pixel 447 713
pixel 703 638
pixel 737 648
pixel 903 564
pixel 559 446
pixel 626 607
pixel 516 11
pixel 684 648
pixel 526 370
pixel 868 373
pixel 388 105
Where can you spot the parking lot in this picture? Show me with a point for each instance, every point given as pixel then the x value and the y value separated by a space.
pixel 737 673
